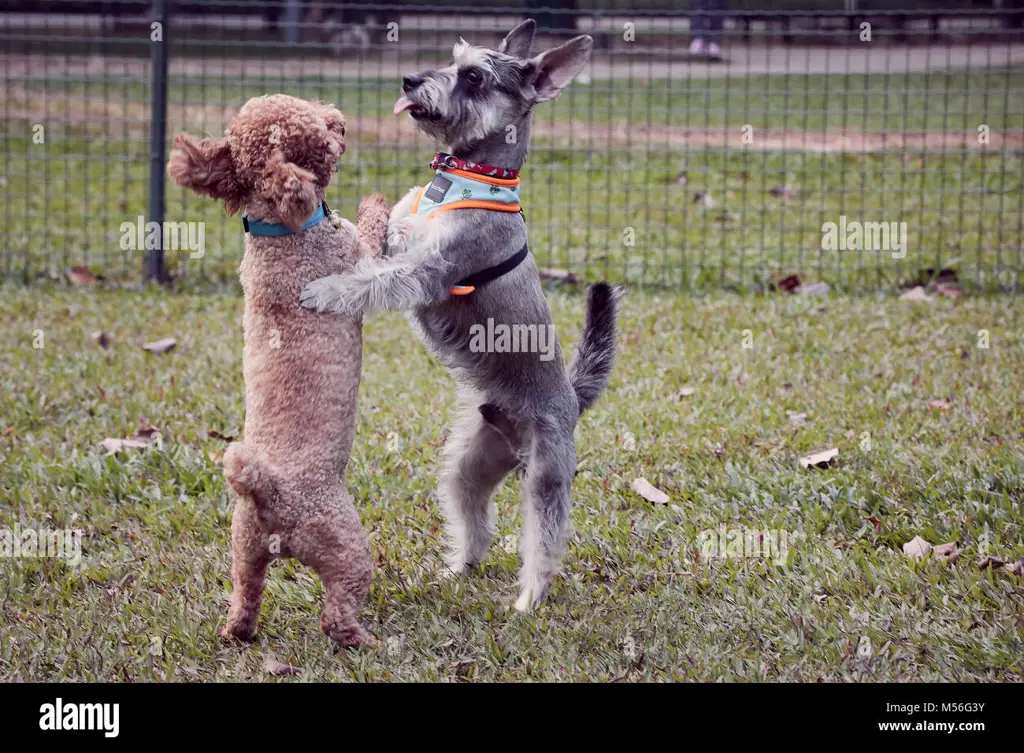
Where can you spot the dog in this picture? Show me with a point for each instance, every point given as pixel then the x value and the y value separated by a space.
pixel 302 371
pixel 456 271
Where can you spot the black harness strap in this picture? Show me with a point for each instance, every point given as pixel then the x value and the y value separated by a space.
pixel 493 273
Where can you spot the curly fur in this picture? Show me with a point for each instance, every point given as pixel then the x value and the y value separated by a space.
pixel 301 370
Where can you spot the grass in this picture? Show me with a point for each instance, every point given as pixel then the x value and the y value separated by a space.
pixel 613 214
pixel 635 602
pixel 605 208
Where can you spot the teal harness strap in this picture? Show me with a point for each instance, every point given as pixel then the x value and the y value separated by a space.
pixel 448 188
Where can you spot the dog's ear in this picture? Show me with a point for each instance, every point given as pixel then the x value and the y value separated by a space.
pixel 291 190
pixel 206 166
pixel 335 126
pixel 517 43
pixel 553 70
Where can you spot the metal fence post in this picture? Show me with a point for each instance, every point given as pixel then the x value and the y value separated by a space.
pixel 155 269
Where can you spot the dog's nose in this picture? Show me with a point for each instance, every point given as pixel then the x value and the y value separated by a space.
pixel 410 82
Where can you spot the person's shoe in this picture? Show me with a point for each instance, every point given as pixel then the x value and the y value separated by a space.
pixel 697 47
pixel 714 51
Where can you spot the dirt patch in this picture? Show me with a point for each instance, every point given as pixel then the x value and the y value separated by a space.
pixel 104 116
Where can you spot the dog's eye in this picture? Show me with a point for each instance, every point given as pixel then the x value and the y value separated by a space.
pixel 474 77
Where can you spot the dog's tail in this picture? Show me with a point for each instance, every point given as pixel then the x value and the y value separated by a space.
pixel 595 355
pixel 251 475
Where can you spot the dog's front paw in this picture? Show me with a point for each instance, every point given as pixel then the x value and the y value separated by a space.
pixel 326 295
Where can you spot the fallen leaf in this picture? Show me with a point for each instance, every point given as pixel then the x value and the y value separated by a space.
pixel 821 459
pixel 112 445
pixel 215 456
pixel 559 275
pixel 160 346
pixel 1008 568
pixel 949 552
pixel 917 548
pixel 790 283
pixel 987 563
pixel 938 405
pixel 101 338
pixel 685 392
pixel 8 431
pixel 217 435
pixel 786 192
pixel 643 487
pixel 875 522
pixel 818 288
pixel 82 276
pixel 915 294
pixel 146 432
pixel 279 669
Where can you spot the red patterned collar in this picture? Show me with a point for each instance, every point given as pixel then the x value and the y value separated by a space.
pixel 448 161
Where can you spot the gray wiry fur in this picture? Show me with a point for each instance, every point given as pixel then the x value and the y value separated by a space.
pixel 513 407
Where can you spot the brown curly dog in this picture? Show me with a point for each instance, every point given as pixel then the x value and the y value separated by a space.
pixel 301 369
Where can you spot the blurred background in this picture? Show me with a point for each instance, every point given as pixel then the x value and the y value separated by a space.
pixel 704 147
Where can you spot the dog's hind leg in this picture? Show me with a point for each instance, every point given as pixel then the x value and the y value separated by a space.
pixel 479 456
pixel 335 545
pixel 550 470
pixel 250 557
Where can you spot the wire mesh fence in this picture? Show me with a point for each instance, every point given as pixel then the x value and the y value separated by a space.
pixel 707 144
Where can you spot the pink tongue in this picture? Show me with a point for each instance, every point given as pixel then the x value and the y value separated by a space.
pixel 403 104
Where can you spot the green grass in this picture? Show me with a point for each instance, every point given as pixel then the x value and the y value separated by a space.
pixel 586 202
pixel 613 214
pixel 634 603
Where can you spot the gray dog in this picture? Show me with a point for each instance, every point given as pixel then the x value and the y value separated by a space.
pixel 461 274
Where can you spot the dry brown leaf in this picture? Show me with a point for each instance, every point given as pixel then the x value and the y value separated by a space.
pixel 1007 568
pixel 786 192
pixel 82 276
pixel 940 404
pixel 644 488
pixel 559 275
pixel 8 431
pixel 213 433
pixel 112 445
pixel 915 294
pixel 990 563
pixel 790 283
pixel 279 669
pixel 101 338
pixel 685 392
pixel 817 288
pixel 949 552
pixel 917 548
pixel 821 459
pixel 160 346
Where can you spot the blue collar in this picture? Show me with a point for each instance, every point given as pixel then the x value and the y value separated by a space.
pixel 258 227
